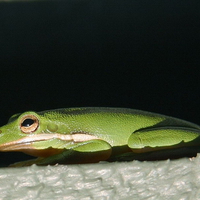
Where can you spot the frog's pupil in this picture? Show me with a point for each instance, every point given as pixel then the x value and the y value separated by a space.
pixel 28 122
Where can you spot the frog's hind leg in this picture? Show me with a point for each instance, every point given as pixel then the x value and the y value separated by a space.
pixel 164 142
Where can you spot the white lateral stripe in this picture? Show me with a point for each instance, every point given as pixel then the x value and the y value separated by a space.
pixel 78 137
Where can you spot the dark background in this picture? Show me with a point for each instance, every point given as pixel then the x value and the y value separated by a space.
pixel 119 53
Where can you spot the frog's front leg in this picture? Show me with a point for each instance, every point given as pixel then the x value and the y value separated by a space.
pixel 86 152
pixel 163 138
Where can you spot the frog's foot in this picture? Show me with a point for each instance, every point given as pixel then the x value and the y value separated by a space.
pixel 26 163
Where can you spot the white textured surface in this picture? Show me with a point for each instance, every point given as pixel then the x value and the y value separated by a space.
pixel 177 179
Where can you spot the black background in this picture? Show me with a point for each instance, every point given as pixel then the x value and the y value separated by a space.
pixel 119 53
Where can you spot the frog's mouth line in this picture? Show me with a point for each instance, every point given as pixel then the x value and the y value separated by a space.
pixel 26 142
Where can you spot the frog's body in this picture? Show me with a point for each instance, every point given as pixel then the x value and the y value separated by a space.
pixel 83 135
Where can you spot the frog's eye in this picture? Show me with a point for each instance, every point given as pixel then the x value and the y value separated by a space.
pixel 29 123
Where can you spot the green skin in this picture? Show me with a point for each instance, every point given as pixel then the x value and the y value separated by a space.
pixel 88 135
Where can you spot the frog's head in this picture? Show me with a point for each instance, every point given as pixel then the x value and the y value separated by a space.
pixel 31 133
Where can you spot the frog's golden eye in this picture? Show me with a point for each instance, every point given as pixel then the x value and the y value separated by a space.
pixel 29 124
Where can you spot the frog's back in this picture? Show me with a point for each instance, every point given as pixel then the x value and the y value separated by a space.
pixel 139 118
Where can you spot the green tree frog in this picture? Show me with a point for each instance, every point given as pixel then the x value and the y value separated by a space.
pixel 93 134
